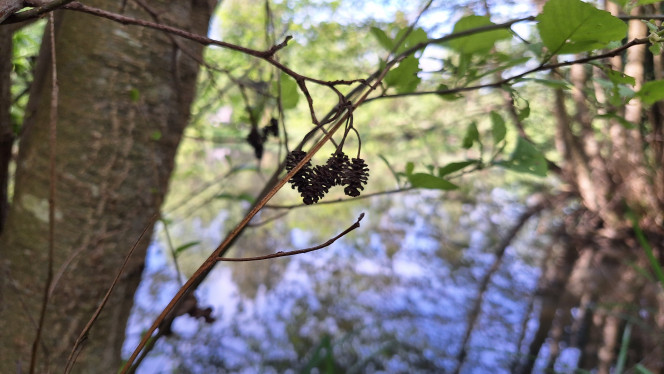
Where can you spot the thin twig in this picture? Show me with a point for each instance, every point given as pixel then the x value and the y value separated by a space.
pixel 171 248
pixel 83 336
pixel 268 220
pixel 296 252
pixel 53 121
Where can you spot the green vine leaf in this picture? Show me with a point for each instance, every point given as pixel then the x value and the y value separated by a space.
pixel 404 77
pixel 423 180
pixel 498 129
pixel 449 96
pixel 384 40
pixel 472 136
pixel 572 26
pixel 526 158
pixel 618 77
pixel 477 43
pixel 409 169
pixel 652 92
pixel 454 167
pixel 415 37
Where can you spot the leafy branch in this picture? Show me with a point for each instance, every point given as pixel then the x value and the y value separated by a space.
pixel 500 83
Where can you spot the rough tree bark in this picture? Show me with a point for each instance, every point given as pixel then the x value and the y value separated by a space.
pixel 124 100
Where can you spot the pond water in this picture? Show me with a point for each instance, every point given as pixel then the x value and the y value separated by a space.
pixel 394 296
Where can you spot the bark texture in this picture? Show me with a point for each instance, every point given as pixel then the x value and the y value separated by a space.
pixel 124 100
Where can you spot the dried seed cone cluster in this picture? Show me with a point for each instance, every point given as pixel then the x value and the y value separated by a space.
pixel 314 182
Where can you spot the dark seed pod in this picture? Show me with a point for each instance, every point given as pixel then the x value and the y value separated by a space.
pixel 311 193
pixel 302 178
pixel 323 178
pixel 272 128
pixel 337 164
pixel 355 176
pixel 256 141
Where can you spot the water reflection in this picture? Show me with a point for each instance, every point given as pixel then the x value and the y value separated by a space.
pixel 394 296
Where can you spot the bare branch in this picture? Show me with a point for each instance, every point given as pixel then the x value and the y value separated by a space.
pixel 40 9
pixel 299 251
pixel 9 7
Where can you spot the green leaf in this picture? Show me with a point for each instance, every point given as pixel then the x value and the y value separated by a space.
pixel 156 135
pixel 290 94
pixel 549 83
pixel 384 40
pixel 423 180
pixel 447 97
pixel 655 49
pixel 572 26
pixel 476 43
pixel 498 129
pixel 618 77
pixel 624 347
pixel 184 247
pixel 415 37
pixel 651 92
pixel 472 136
pixel 522 107
pixel 409 169
pixel 526 159
pixel 454 167
pixel 404 77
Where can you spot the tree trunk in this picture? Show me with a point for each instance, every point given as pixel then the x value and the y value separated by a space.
pixel 124 99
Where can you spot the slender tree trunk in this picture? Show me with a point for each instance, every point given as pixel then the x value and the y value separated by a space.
pixel 124 99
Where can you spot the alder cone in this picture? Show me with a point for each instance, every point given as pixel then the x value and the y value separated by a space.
pixel 302 178
pixel 337 164
pixel 355 177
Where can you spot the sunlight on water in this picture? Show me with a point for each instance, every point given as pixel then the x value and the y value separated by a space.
pixel 407 312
